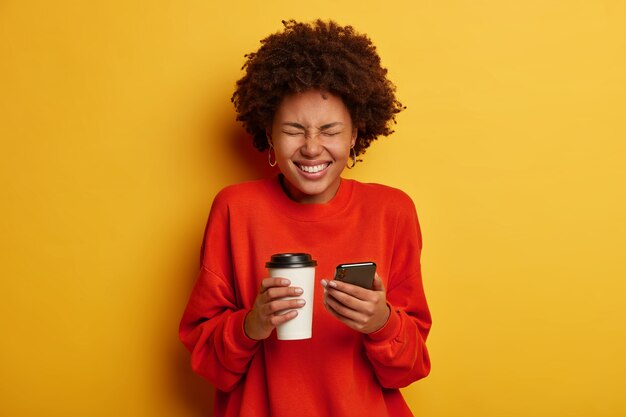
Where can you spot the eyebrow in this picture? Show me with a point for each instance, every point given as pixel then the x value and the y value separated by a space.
pixel 323 127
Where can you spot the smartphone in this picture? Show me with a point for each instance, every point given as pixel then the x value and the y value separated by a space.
pixel 360 273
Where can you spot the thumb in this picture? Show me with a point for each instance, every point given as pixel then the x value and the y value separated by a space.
pixel 378 285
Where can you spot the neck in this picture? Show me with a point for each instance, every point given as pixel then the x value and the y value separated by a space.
pixel 299 197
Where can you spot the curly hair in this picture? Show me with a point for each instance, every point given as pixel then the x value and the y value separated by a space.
pixel 318 55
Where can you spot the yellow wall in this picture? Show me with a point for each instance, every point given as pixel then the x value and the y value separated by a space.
pixel 116 131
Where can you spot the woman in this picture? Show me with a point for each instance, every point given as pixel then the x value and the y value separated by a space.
pixel 314 96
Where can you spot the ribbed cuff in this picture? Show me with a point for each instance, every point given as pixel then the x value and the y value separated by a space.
pixel 240 338
pixel 389 330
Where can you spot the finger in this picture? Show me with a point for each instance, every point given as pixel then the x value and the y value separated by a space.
pixel 273 282
pixel 345 320
pixel 281 292
pixel 280 306
pixel 378 284
pixel 348 300
pixel 343 310
pixel 351 289
pixel 331 310
pixel 279 319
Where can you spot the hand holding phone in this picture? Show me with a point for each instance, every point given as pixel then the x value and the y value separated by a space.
pixel 360 273
pixel 362 309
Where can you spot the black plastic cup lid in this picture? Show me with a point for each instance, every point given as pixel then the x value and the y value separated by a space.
pixel 290 260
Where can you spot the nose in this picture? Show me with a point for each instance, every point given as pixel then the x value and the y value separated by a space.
pixel 312 145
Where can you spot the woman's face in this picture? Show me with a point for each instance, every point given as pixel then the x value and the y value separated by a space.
pixel 312 135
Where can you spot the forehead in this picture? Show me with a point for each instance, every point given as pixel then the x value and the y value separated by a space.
pixel 312 106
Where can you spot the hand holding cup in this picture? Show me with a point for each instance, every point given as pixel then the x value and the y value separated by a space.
pixel 274 306
pixel 269 304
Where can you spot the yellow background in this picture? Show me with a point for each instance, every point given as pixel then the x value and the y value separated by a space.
pixel 117 131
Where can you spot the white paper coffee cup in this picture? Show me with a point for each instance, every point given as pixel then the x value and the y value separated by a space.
pixel 298 268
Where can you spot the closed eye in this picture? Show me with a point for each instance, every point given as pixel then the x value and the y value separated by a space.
pixel 292 133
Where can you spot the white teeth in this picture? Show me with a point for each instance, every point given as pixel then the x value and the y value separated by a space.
pixel 313 169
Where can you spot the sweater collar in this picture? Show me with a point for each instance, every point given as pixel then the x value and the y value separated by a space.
pixel 311 212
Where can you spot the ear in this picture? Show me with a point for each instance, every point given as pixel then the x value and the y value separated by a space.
pixel 268 135
pixel 355 135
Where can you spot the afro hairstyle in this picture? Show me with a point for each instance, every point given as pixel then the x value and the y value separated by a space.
pixel 316 56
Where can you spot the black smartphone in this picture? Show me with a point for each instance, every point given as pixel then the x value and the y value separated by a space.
pixel 360 273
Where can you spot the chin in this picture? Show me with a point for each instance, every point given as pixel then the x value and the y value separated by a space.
pixel 310 189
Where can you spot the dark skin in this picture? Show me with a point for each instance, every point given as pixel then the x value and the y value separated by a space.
pixel 363 310
pixel 263 318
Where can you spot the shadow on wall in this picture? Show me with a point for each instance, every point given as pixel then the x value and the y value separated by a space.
pixel 194 392
pixel 245 156
pixel 232 146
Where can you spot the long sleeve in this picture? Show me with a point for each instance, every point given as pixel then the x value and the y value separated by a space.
pixel 398 351
pixel 212 323
pixel 251 221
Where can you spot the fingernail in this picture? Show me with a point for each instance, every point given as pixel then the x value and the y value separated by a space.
pixel 324 283
pixel 298 291
pixel 285 282
pixel 332 284
pixel 300 303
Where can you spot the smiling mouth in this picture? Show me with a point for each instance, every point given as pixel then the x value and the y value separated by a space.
pixel 312 169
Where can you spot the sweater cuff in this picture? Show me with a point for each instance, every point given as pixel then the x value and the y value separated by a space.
pixel 389 330
pixel 240 338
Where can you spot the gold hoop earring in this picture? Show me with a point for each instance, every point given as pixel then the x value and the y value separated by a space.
pixel 353 156
pixel 269 157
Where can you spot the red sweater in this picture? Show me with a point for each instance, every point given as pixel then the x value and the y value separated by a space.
pixel 338 372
